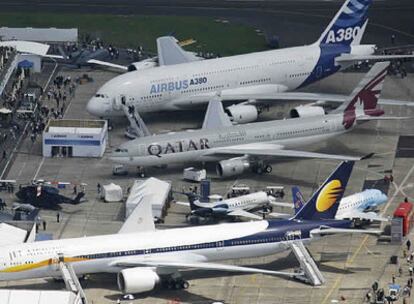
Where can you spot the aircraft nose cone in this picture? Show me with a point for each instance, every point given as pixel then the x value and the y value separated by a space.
pixel 94 107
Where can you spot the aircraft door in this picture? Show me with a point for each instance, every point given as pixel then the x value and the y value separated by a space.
pixel 220 245
pixel 117 102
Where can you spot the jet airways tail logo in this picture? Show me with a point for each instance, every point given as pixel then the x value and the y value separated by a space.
pixel 328 195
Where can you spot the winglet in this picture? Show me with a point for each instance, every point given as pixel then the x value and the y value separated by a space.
pixel 215 115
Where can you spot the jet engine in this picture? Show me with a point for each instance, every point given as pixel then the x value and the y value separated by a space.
pixel 136 280
pixel 307 111
pixel 242 113
pixel 142 65
pixel 232 167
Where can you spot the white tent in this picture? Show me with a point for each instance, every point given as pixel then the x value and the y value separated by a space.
pixel 112 193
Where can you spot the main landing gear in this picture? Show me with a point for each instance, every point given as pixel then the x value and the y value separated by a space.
pixel 176 282
pixel 263 168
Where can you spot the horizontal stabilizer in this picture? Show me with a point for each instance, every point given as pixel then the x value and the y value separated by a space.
pixel 368 118
pixel 329 230
pixel 348 58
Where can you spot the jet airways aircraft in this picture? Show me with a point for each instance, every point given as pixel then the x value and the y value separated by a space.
pixel 239 147
pixel 254 78
pixel 145 256
pixel 360 205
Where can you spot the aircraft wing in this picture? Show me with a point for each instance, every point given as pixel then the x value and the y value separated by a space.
pixel 246 214
pixel 257 98
pixel 371 216
pixel 279 215
pixel 215 115
pixel 178 264
pixel 272 150
pixel 281 204
pixel 170 52
pixel 108 64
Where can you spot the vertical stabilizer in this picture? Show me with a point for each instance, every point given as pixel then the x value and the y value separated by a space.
pixel 348 25
pixel 325 201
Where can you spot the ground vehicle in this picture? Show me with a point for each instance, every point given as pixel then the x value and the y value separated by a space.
pixel 406 212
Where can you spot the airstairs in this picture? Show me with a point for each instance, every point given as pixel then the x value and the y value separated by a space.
pixel 312 274
pixel 71 279
pixel 137 126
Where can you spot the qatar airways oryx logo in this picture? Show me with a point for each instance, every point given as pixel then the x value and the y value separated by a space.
pixel 342 34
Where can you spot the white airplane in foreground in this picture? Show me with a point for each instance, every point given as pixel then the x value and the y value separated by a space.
pixel 143 256
pixel 360 206
pixel 182 83
pixel 237 148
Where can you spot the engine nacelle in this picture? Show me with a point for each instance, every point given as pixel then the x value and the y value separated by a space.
pixel 136 280
pixel 242 113
pixel 141 65
pixel 232 167
pixel 307 111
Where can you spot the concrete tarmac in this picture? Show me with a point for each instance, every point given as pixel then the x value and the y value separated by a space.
pixel 350 263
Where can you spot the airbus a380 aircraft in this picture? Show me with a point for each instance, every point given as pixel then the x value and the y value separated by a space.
pixel 144 256
pixel 240 147
pixel 253 78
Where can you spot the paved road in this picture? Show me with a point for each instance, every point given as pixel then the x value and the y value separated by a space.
pixel 294 22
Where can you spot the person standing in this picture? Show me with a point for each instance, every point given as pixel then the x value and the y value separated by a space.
pixel 408 244
pixel 58 217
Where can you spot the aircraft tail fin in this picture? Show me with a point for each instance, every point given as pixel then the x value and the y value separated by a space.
pixel 364 98
pixel 298 200
pixel 78 198
pixel 325 201
pixel 348 25
pixel 192 197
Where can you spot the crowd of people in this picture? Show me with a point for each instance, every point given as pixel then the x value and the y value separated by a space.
pixel 399 287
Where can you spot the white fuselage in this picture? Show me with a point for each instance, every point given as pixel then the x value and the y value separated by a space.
pixel 245 202
pixel 186 85
pixel 99 253
pixel 194 146
pixel 366 200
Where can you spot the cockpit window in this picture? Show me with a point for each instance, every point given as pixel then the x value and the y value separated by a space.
pixel 101 96
pixel 121 150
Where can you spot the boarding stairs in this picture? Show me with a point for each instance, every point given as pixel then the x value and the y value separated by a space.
pixel 137 126
pixel 71 279
pixel 312 274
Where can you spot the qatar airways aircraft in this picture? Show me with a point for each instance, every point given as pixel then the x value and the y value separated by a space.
pixel 182 83
pixel 237 148
pixel 144 256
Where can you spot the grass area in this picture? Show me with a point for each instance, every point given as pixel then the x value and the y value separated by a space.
pixel 133 30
